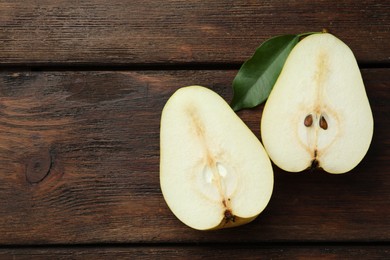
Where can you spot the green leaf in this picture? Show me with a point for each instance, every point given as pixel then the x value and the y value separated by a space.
pixel 257 76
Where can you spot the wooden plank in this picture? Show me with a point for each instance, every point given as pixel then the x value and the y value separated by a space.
pixel 130 32
pixel 79 163
pixel 201 252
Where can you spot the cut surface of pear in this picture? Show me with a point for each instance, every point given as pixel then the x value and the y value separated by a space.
pixel 214 172
pixel 318 113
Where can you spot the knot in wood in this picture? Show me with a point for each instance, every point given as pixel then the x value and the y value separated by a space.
pixel 38 167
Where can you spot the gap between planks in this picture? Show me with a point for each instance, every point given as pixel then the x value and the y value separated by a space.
pixel 145 66
pixel 290 244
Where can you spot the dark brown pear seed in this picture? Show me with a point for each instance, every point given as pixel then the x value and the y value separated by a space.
pixel 308 120
pixel 323 123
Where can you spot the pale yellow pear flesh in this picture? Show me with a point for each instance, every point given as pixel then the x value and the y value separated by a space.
pixel 318 112
pixel 214 172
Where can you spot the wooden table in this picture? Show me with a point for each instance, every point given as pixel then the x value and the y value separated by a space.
pixel 82 86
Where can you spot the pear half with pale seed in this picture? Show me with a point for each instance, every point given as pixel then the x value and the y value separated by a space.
pixel 318 114
pixel 214 172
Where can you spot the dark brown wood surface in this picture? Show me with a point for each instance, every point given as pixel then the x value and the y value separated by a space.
pixel 82 86
pixel 201 252
pixel 79 158
pixel 149 32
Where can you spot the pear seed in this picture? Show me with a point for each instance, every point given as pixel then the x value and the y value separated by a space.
pixel 323 123
pixel 308 120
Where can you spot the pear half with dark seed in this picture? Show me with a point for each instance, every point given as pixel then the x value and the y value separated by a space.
pixel 214 172
pixel 318 113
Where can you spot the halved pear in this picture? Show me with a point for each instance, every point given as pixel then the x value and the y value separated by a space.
pixel 214 172
pixel 318 114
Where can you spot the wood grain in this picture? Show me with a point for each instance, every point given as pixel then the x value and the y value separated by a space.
pixel 123 32
pixel 201 252
pixel 79 163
